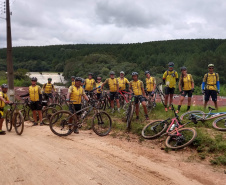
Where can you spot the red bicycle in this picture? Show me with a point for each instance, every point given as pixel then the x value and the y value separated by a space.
pixel 124 98
pixel 177 136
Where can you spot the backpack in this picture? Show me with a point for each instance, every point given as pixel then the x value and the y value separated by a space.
pixel 173 74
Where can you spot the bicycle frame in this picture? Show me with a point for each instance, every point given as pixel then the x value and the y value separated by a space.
pixel 122 93
pixel 178 126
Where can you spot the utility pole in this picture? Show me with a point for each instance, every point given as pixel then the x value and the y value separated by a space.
pixel 10 73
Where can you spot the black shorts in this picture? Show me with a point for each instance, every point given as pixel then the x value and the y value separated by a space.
pixel 185 93
pixel 169 90
pixel 49 95
pixel 90 93
pixel 211 93
pixel 36 105
pixel 149 93
pixel 77 107
pixel 139 99
pixel 114 95
pixel 99 95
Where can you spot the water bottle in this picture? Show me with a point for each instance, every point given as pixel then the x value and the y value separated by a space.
pixel 83 114
pixel 173 126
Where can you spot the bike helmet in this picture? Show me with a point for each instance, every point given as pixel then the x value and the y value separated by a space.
pixel 90 74
pixel 122 72
pixel 34 79
pixel 49 79
pixel 171 64
pixel 211 65
pixel 4 86
pixel 147 72
pixel 134 73
pixel 183 68
pixel 112 73
pixel 78 79
pixel 73 77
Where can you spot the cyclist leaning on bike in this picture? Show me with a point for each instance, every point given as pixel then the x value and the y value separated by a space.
pixel 3 100
pixel 75 94
pixel 89 83
pixel 122 81
pixel 211 85
pixel 48 90
pixel 150 84
pixel 137 87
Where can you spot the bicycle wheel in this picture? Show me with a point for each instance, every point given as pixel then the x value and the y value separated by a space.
pixel 23 111
pixel 162 97
pixel 62 123
pixel 186 137
pixel 47 113
pixel 220 123
pixel 18 122
pixel 108 102
pixel 199 115
pixel 58 107
pixel 101 123
pixel 129 116
pixel 8 121
pixel 30 115
pixel 154 129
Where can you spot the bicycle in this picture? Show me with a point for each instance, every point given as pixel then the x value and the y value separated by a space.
pixel 151 104
pixel 14 118
pixel 60 99
pixel 177 136
pixel 159 91
pixel 63 123
pixel 124 98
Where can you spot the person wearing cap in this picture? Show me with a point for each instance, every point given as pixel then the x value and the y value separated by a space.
pixel 170 78
pixel 35 94
pixel 137 87
pixel 186 87
pixel 89 83
pixel 114 89
pixel 75 94
pixel 72 80
pixel 122 81
pixel 48 90
pixel 150 84
pixel 98 86
pixel 3 101
pixel 211 85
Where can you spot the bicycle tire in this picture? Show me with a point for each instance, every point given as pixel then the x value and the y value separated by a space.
pixel 30 115
pixel 23 111
pixel 61 122
pixel 8 121
pixel 150 132
pixel 186 116
pixel 129 116
pixel 220 123
pixel 102 123
pixel 58 107
pixel 173 138
pixel 18 122
pixel 162 97
pixel 47 114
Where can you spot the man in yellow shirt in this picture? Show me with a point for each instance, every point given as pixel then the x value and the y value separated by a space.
pixel 75 94
pixel 150 84
pixel 170 77
pixel 89 83
pixel 72 80
pixel 122 81
pixel 211 85
pixel 137 87
pixel 48 90
pixel 98 86
pixel 114 89
pixel 3 100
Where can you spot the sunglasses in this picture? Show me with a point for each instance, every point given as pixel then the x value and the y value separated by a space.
pixel 170 66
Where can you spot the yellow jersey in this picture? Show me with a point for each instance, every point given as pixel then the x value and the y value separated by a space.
pixel 72 82
pixel 170 78
pixel 89 84
pixel 187 82
pixel 76 94
pixel 150 82
pixel 211 81
pixel 122 83
pixel 34 92
pixel 98 85
pixel 48 87
pixel 136 87
pixel 112 83
pixel 5 96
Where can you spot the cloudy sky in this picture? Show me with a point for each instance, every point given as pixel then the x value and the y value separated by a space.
pixel 50 22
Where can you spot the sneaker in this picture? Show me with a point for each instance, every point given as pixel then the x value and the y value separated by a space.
pixel 137 118
pixel 146 117
pixel 166 109
pixel 112 111
pixel 76 131
pixel 35 124
pixel 177 111
pixel 170 108
pixel 41 124
pixel 2 132
pixel 118 110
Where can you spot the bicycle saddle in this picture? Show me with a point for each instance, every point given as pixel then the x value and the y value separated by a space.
pixel 210 108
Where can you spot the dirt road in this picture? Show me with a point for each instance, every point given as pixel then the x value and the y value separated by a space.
pixel 40 157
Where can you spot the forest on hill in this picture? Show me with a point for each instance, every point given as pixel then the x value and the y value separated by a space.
pixel 80 59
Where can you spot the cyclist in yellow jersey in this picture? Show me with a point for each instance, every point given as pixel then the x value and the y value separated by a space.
pixel 150 84
pixel 211 85
pixel 75 94
pixel 48 90
pixel 35 94
pixel 89 84
pixel 98 86
pixel 114 89
pixel 72 80
pixel 3 100
pixel 186 87
pixel 122 81
pixel 137 87
pixel 170 77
